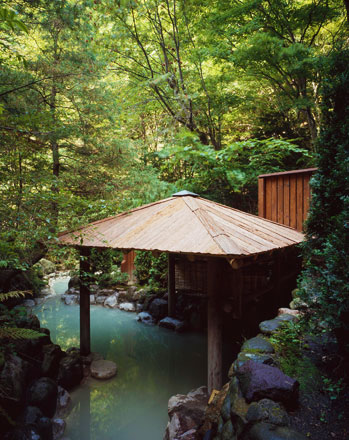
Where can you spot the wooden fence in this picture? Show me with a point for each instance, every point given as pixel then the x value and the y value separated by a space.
pixel 284 197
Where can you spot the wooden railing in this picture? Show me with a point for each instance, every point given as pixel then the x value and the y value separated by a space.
pixel 284 197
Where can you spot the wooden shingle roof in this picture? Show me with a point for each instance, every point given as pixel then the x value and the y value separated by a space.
pixel 186 224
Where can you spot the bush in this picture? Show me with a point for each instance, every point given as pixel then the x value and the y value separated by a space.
pixel 150 270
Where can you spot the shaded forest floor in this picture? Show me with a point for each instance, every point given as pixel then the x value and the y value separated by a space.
pixel 323 411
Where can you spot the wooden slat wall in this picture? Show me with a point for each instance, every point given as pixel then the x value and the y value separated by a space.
pixel 284 197
pixel 128 265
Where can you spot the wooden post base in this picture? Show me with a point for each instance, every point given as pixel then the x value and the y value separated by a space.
pixel 85 332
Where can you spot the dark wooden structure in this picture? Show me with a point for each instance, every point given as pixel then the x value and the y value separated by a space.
pixel 239 253
pixel 284 197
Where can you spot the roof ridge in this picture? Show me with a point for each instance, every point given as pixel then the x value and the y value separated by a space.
pixel 209 228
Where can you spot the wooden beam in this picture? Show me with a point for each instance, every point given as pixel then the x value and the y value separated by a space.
pixel 214 328
pixel 171 278
pixel 85 331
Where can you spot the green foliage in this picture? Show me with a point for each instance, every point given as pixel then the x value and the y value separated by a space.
pixel 332 387
pixel 325 279
pixel 150 270
pixel 15 333
pixel 229 175
pixel 288 342
pixel 14 294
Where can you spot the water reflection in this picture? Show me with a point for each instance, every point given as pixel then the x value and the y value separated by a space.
pixel 153 364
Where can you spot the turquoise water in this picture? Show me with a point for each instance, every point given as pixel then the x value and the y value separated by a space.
pixel 153 364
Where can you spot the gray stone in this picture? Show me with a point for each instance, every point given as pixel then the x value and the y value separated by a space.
pixel 106 292
pixel 258 381
pixel 228 432
pixel 47 266
pixel 63 403
pixel 158 308
pixel 52 356
pixel 172 324
pixel 70 371
pixel 186 413
pixel 101 299
pixel 111 301
pixel 225 410
pixel 58 428
pixel 267 410
pixel 29 303
pixel 43 394
pixel 271 326
pixel 13 378
pixel 245 356
pixel 146 318
pixel 74 282
pixel 258 344
pixel 287 316
pixel 45 291
pixel 267 431
pixel 70 299
pixel 103 369
pixel 93 356
pixel 127 307
pixel 92 299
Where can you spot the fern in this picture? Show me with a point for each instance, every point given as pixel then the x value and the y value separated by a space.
pixel 14 294
pixel 19 333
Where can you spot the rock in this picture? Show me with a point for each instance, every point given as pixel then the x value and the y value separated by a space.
pixel 13 379
pixel 127 307
pixel 52 356
pixel 92 299
pixel 158 308
pixel 106 292
pixel 70 299
pixel 44 428
pixel 25 433
pixel 213 409
pixel 245 356
pixel 103 369
pixel 47 266
pixel 58 428
pixel 258 344
pixel 238 407
pixel 70 371
pixel 172 324
pixel 46 291
pixel 266 431
pixel 186 413
pixel 29 303
pixel 94 356
pixel 258 381
pixel 111 301
pixel 271 326
pixel 101 299
pixel 297 303
pixel 31 416
pixel 63 403
pixel 74 282
pixel 43 394
pixel 146 318
pixel 267 411
pixel 285 310
pixel 287 317
pixel 228 432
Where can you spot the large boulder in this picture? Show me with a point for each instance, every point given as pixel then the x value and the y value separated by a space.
pixel 58 428
pixel 111 301
pixel 63 403
pixel 74 282
pixel 158 308
pixel 258 381
pixel 258 344
pixel 127 307
pixel 43 395
pixel 103 369
pixel 172 324
pixel 13 378
pixel 244 356
pixel 273 325
pixel 267 431
pixel 186 414
pixel 267 410
pixel 52 356
pixel 46 266
pixel 146 318
pixel 70 372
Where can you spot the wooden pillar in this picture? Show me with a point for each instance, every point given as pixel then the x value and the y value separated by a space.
pixel 214 328
pixel 85 331
pixel 171 285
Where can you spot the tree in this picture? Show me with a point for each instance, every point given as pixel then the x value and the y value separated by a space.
pixel 326 274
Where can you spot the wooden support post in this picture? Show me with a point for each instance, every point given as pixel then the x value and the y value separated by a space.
pixel 171 285
pixel 214 328
pixel 85 332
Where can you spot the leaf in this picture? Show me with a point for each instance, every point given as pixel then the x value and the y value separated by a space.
pixel 16 333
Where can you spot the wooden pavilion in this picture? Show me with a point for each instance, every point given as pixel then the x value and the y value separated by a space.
pixel 189 228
